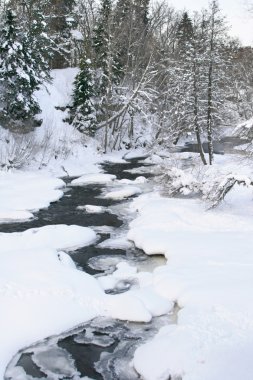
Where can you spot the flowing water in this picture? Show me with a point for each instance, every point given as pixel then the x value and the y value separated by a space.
pixel 102 348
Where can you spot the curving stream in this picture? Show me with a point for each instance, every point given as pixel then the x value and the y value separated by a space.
pixel 101 348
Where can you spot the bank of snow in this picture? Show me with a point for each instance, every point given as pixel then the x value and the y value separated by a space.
pixel 209 274
pixel 42 293
pixel 22 193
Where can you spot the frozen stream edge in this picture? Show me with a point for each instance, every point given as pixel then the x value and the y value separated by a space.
pixel 150 331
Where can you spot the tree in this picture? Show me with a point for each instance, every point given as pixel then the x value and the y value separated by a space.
pixel 186 83
pixel 106 60
pixel 82 111
pixel 40 44
pixel 17 76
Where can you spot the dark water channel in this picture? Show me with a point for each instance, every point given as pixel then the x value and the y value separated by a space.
pixel 224 145
pixel 102 348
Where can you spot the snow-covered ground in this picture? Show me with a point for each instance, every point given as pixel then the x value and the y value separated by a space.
pixel 41 291
pixel 208 273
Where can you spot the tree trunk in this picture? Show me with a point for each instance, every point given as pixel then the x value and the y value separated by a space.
pixel 209 116
pixel 196 115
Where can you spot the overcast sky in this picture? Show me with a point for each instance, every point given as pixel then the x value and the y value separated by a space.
pixel 239 18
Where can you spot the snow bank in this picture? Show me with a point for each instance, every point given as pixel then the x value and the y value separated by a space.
pixel 90 209
pixel 116 243
pixel 123 193
pixel 55 236
pixel 93 178
pixel 42 293
pixel 136 154
pixel 209 275
pixel 24 192
pixel 138 180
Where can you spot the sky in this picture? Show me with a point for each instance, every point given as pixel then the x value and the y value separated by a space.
pixel 238 16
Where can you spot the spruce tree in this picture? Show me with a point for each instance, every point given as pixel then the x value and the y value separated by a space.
pixel 42 47
pixel 141 8
pixel 106 56
pixel 82 111
pixel 17 76
pixel 184 33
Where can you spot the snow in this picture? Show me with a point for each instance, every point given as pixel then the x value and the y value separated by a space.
pixel 138 180
pixel 209 275
pixel 77 35
pixel 24 192
pixel 42 293
pixel 123 193
pixel 90 209
pixel 64 150
pixel 136 154
pixel 116 243
pixel 54 236
pixel 48 294
pixel 93 178
pixel 207 270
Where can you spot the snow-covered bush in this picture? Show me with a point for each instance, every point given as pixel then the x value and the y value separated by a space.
pixel 244 130
pixel 177 181
pixel 16 151
pixel 222 186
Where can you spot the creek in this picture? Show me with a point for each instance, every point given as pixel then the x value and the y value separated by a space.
pixel 103 347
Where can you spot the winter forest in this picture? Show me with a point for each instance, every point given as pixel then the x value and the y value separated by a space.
pixel 126 192
pixel 148 74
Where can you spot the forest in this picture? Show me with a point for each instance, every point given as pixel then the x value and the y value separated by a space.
pixel 148 76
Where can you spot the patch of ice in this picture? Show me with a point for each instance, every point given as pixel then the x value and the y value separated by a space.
pixel 116 243
pixel 55 362
pixel 88 337
pixel 105 262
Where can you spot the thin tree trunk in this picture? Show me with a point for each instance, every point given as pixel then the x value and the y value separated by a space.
pixel 210 89
pixel 209 116
pixel 196 114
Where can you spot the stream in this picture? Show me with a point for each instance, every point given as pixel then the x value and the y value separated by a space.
pixel 103 347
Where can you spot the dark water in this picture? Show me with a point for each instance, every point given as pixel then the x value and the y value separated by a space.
pixel 222 146
pixel 65 211
pixel 102 348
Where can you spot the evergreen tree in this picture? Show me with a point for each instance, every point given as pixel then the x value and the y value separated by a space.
pixel 55 20
pixel 123 21
pixel 141 9
pixel 60 20
pixel 106 56
pixel 82 111
pixel 184 33
pixel 42 47
pixel 17 75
